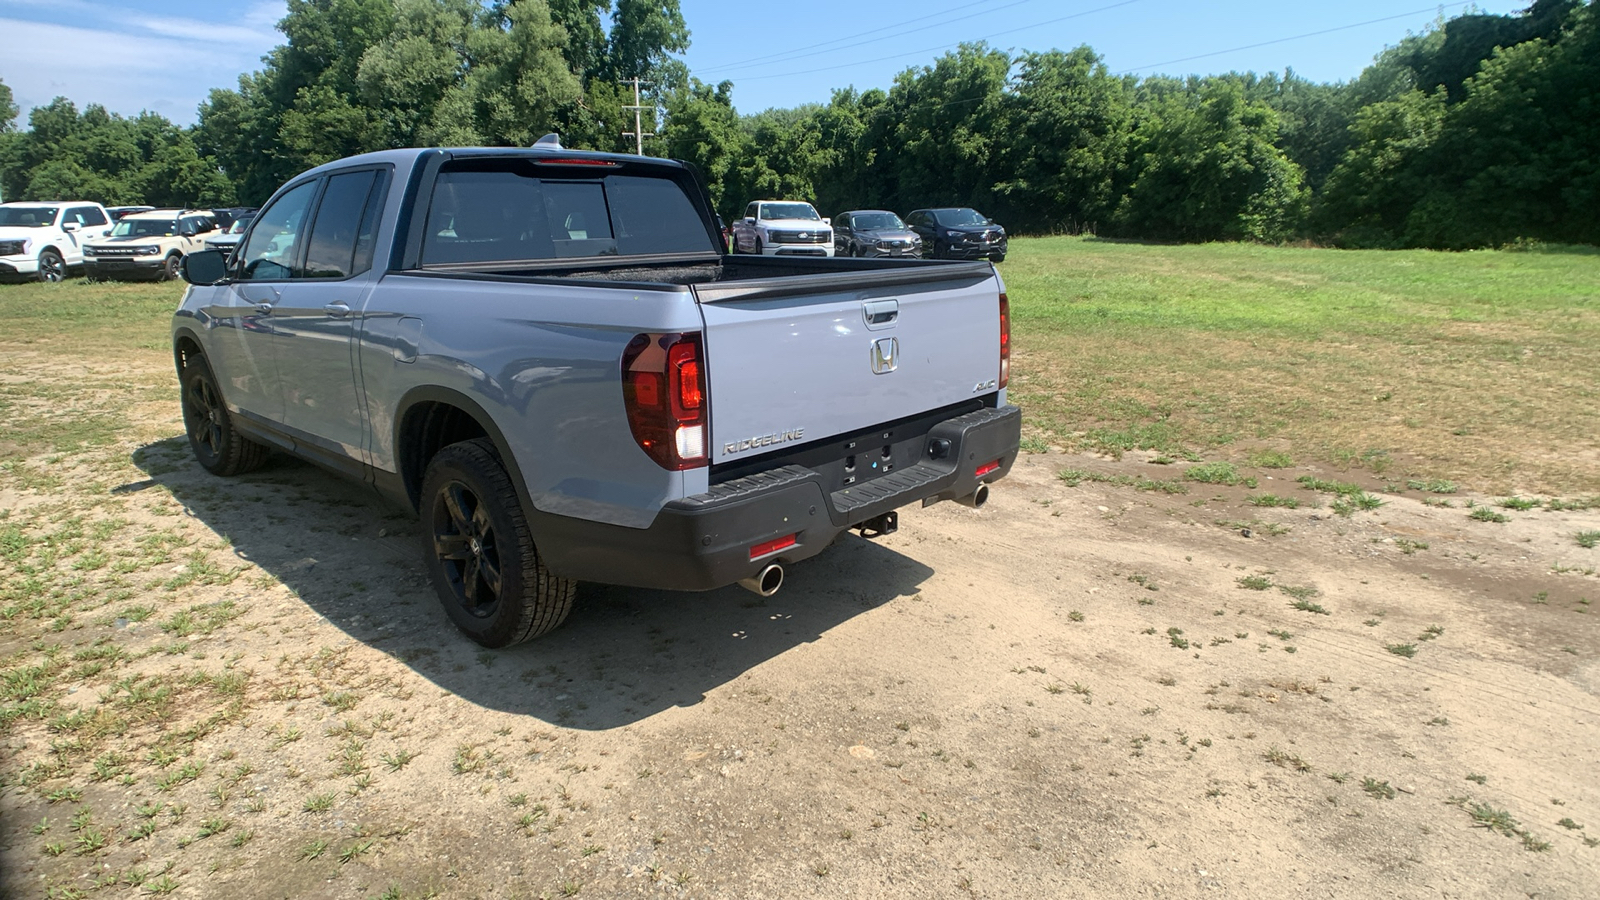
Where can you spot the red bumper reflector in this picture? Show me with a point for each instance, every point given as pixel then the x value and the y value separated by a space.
pixel 986 469
pixel 773 546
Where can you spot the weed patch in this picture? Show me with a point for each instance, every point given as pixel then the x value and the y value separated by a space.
pixel 1218 473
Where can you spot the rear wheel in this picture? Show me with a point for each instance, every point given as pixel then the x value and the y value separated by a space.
pixel 480 553
pixel 52 267
pixel 216 445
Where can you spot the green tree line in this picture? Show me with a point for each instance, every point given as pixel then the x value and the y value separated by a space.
pixel 1482 130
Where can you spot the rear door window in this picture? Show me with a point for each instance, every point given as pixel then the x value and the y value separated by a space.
pixel 336 248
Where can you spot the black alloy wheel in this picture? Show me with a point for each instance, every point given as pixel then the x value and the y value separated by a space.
pixel 203 415
pixel 479 550
pixel 52 268
pixel 468 550
pixel 217 446
pixel 169 267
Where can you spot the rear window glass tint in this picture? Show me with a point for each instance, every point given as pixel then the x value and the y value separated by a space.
pixel 331 251
pixel 507 211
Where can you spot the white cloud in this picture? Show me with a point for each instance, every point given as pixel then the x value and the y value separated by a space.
pixel 130 61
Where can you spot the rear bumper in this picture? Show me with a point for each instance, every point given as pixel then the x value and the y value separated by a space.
pixel 703 542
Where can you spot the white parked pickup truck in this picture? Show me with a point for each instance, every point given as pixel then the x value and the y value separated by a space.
pixel 782 228
pixel 43 240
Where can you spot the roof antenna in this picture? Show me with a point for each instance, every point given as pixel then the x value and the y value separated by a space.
pixel 551 141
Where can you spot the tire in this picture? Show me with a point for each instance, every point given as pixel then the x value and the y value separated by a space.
pixel 480 553
pixel 218 448
pixel 997 257
pixel 758 246
pixel 52 268
pixel 169 268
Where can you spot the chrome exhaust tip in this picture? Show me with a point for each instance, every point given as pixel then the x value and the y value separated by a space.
pixel 977 498
pixel 766 582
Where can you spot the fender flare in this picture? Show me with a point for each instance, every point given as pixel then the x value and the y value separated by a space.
pixel 178 334
pixel 436 394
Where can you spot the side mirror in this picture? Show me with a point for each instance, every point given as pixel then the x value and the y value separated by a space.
pixel 204 267
pixel 749 220
pixel 187 230
pixel 826 220
pixel 69 227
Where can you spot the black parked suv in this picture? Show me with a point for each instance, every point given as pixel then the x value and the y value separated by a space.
pixel 873 232
pixel 958 233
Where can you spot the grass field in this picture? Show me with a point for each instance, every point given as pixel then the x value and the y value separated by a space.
pixel 1476 367
pixel 1480 368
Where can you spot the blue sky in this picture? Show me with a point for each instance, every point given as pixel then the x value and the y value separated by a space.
pixel 165 56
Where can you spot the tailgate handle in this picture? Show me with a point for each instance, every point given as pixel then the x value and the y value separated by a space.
pixel 880 313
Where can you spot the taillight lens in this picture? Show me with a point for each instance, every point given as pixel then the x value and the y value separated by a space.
pixel 664 393
pixel 1005 339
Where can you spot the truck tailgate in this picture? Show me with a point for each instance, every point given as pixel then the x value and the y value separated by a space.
pixel 799 359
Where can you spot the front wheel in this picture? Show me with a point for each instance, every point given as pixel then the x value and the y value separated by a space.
pixel 217 446
pixel 52 268
pixel 169 267
pixel 480 553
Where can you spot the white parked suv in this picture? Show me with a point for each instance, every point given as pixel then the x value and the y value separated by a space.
pixel 782 228
pixel 43 240
pixel 148 245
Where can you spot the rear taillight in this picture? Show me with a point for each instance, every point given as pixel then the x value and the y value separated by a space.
pixel 1005 339
pixel 664 393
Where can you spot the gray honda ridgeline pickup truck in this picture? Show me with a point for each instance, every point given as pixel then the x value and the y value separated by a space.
pixel 549 357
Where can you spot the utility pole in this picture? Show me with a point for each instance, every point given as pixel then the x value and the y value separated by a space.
pixel 638 134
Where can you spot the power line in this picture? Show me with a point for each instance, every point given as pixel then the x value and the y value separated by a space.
pixel 786 55
pixel 946 46
pixel 1404 15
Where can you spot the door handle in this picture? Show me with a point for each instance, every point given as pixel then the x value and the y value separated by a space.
pixel 338 309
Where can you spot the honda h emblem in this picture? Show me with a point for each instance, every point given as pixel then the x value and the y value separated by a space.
pixel 885 355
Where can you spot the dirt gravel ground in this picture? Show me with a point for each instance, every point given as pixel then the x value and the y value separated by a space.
pixel 1080 690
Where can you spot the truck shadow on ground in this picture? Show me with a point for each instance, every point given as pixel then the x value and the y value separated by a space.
pixel 623 655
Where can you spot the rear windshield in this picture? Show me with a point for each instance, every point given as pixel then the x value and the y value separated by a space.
pixel 513 210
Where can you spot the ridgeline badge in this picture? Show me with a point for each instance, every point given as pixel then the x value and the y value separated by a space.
pixel 765 440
